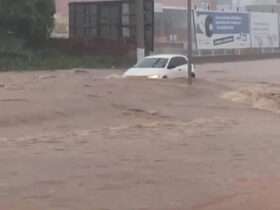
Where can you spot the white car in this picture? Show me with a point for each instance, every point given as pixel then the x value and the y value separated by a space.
pixel 161 67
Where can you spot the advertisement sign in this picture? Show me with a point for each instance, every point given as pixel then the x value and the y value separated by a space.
pixel 222 30
pixel 264 30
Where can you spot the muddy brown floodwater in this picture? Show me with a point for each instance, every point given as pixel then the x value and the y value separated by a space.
pixel 88 140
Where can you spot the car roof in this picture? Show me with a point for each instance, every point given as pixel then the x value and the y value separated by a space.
pixel 167 56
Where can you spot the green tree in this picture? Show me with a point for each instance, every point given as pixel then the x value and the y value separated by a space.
pixel 32 20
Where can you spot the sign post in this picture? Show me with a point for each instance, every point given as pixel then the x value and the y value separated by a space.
pixel 140 28
pixel 190 50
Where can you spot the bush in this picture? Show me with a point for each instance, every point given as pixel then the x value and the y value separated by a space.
pixel 32 20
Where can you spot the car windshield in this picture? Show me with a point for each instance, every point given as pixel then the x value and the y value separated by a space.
pixel 152 63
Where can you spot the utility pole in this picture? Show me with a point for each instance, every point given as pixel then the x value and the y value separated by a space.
pixel 190 50
pixel 140 29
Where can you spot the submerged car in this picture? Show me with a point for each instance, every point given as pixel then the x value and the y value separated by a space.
pixel 161 67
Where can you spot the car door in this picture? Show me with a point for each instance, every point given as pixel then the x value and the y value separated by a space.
pixel 177 67
pixel 182 67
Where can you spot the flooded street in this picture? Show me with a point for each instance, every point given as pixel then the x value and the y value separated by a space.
pixel 86 139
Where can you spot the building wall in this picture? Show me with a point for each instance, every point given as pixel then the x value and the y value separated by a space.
pixel 62 14
pixel 105 26
pixel 243 4
pixel 62 5
pixel 183 3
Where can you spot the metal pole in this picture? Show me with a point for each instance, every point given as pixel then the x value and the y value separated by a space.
pixel 140 30
pixel 190 50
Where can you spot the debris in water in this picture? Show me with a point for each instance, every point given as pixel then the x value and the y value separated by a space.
pixel 114 76
pixel 259 97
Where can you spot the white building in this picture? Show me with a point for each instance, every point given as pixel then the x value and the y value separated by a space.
pixel 243 5
pixel 254 2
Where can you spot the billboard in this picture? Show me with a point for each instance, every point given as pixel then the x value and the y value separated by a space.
pixel 222 30
pixel 264 30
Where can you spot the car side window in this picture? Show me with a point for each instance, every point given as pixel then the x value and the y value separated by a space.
pixel 182 61
pixel 176 62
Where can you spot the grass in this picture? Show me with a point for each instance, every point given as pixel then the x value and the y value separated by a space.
pixel 15 56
